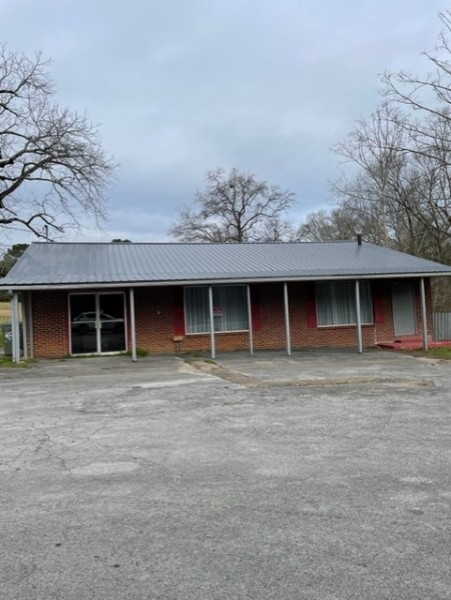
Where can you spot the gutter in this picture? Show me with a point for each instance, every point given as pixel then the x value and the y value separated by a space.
pixel 186 282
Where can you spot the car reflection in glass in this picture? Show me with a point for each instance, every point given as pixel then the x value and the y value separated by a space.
pixel 86 323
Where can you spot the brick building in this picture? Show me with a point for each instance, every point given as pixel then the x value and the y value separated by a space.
pixel 171 298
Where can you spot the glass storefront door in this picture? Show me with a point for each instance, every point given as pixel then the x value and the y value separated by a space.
pixel 97 323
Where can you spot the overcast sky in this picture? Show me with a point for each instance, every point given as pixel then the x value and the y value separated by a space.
pixel 182 86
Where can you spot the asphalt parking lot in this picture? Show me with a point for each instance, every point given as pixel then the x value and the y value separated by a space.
pixel 319 476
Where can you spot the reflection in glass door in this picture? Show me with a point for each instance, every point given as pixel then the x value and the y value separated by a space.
pixel 111 316
pixel 97 323
pixel 83 323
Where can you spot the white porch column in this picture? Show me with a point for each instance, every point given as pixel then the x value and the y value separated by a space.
pixel 358 317
pixel 424 315
pixel 30 325
pixel 24 327
pixel 249 318
pixel 212 322
pixel 131 296
pixel 15 329
pixel 286 307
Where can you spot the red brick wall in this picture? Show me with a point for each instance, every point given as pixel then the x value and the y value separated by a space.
pixel 159 314
pixel 50 324
pixel 154 315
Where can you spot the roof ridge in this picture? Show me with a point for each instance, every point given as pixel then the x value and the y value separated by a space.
pixel 274 243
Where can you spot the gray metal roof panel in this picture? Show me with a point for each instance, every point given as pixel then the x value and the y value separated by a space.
pixel 102 263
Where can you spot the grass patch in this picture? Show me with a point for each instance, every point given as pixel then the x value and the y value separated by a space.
pixel 444 353
pixel 6 362
pixel 191 357
pixel 139 352
pixel 194 355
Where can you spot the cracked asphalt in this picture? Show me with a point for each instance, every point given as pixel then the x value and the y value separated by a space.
pixel 325 475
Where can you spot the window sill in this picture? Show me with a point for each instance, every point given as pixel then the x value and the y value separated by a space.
pixel 347 326
pixel 218 332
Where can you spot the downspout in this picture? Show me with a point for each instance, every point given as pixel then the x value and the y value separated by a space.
pixel 358 317
pixel 424 315
pixel 30 324
pixel 212 322
pixel 15 330
pixel 24 328
pixel 287 318
pixel 249 318
pixel 132 323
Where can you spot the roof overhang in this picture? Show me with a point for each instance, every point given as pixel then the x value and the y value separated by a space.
pixel 241 280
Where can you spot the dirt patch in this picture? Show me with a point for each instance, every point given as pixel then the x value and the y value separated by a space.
pixel 223 373
pixel 252 382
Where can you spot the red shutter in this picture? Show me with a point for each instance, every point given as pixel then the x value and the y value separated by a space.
pixel 256 310
pixel 378 306
pixel 311 307
pixel 256 316
pixel 179 313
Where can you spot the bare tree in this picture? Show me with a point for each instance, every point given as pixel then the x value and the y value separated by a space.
pixel 326 226
pixel 425 97
pixel 234 207
pixel 403 158
pixel 53 170
pixel 398 189
pixel 424 116
pixel 399 197
pixel 276 230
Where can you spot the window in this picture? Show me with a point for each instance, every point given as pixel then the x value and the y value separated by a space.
pixel 335 303
pixel 229 309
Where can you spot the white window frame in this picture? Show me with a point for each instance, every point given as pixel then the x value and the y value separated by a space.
pixel 354 323
pixel 188 333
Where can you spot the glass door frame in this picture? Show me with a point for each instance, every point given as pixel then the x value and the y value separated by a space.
pixel 98 326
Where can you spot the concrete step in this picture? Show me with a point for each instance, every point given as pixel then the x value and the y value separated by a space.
pixel 411 343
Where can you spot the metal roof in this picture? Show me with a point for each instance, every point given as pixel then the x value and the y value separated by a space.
pixel 53 265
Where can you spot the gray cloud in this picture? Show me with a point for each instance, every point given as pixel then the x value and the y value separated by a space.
pixel 180 87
